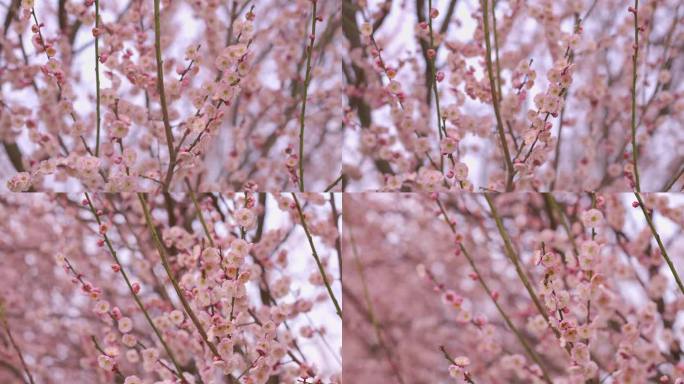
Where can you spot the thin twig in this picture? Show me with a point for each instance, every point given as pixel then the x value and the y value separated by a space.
pixel 673 180
pixel 167 267
pixel 199 213
pixel 97 75
pixel 162 97
pixel 116 369
pixel 663 251
pixel 59 86
pixel 315 256
pixel 466 375
pixel 513 257
pixel 634 81
pixel 135 295
pixel 528 349
pixel 495 98
pixel 432 62
pixel 496 51
pixel 334 183
pixel 305 91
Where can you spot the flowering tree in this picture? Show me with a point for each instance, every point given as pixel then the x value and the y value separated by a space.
pixel 170 288
pixel 514 95
pixel 513 288
pixel 200 115
pixel 135 95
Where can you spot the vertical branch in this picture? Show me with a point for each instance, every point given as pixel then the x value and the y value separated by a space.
pixel 496 51
pixel 315 256
pixel 165 263
pixel 97 74
pixel 663 251
pixel 338 241
pixel 495 97
pixel 162 97
pixel 432 62
pixel 135 295
pixel 199 213
pixel 307 80
pixel 634 81
pixel 556 158
pixel 528 349
pixel 513 257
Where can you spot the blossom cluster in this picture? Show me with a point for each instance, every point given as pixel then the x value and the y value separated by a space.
pixel 173 288
pixel 527 95
pixel 132 96
pixel 534 288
